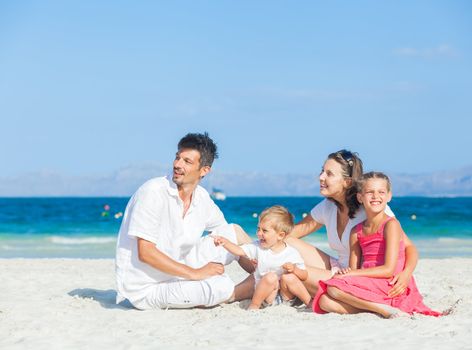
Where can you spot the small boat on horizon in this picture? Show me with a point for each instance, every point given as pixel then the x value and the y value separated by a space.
pixel 217 195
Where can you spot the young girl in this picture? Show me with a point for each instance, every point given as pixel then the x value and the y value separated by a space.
pixel 279 266
pixel 378 243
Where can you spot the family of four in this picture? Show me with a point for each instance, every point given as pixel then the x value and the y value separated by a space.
pixel 163 260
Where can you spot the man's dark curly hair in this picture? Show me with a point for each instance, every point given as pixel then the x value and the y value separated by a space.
pixel 201 143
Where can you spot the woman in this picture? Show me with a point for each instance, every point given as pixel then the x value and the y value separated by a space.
pixel 339 212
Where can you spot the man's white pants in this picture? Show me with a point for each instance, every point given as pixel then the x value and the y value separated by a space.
pixel 180 293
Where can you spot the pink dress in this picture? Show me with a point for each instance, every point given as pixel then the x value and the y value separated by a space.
pixel 376 289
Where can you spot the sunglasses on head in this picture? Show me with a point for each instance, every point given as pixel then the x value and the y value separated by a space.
pixel 348 158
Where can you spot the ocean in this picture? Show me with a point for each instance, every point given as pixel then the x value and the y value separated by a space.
pixel 88 227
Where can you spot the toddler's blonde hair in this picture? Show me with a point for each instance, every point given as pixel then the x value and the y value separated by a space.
pixel 280 217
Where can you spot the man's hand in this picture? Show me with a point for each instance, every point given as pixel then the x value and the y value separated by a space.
pixel 207 271
pixel 399 282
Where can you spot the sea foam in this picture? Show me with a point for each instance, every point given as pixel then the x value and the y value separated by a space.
pixel 85 240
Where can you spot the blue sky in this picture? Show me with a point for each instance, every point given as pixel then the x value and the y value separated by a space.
pixel 87 87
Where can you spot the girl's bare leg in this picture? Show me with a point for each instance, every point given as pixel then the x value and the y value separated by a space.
pixel 383 310
pixel 266 290
pixel 329 304
pixel 291 286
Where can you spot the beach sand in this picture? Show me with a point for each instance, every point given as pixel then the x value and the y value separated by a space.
pixel 69 303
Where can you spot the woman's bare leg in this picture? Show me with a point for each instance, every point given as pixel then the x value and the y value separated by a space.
pixel 242 238
pixel 241 235
pixel 316 261
pixel 329 304
pixel 311 255
pixel 245 289
pixel 314 276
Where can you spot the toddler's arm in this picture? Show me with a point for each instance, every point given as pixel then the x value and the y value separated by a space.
pixel 292 268
pixel 228 245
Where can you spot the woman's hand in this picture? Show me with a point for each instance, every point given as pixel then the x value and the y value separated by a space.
pixel 399 282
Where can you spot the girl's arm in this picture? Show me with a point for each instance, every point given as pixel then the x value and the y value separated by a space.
pixel 229 246
pixel 305 227
pixel 400 281
pixel 392 234
pixel 355 253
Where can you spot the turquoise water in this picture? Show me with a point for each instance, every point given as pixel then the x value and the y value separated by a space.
pixel 82 228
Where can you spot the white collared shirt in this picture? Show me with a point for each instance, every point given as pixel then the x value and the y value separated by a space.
pixel 155 213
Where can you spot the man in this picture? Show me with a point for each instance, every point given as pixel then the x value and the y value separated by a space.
pixel 162 260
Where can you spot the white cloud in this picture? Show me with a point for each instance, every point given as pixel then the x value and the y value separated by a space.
pixel 443 50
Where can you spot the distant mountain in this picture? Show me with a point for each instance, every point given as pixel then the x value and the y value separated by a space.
pixel 126 180
pixel 122 182
pixel 455 183
pixel 438 184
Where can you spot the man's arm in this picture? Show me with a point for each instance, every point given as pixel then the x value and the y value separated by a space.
pixel 151 255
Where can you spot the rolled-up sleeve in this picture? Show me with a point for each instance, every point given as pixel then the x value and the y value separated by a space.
pixel 144 222
pixel 216 218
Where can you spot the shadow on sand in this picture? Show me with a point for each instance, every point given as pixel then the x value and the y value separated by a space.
pixel 106 298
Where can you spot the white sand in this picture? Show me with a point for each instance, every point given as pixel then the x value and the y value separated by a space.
pixel 69 303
